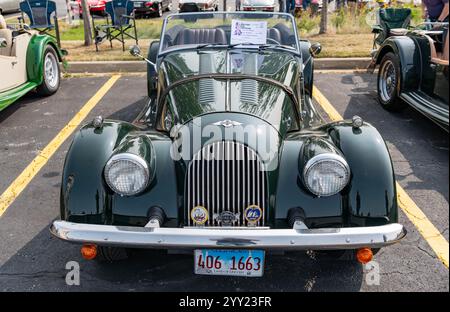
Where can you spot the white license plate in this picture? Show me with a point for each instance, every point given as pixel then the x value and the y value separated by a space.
pixel 138 4
pixel 229 262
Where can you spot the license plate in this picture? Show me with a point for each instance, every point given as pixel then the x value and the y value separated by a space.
pixel 229 262
pixel 137 4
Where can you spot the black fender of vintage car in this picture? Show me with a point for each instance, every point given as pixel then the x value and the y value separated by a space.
pixel 369 198
pixel 410 57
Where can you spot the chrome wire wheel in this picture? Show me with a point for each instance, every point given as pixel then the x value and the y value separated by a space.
pixel 51 70
pixel 388 81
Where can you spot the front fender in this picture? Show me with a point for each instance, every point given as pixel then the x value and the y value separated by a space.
pixel 35 56
pixel 86 198
pixel 410 59
pixel 84 195
pixel 372 197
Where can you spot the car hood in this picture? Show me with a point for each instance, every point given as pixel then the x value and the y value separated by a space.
pixel 248 130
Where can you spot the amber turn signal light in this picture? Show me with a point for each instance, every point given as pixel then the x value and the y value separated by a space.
pixel 364 255
pixel 89 251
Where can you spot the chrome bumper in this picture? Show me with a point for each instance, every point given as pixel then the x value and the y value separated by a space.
pixel 176 238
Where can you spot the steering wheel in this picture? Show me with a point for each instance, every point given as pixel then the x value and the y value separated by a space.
pixel 273 41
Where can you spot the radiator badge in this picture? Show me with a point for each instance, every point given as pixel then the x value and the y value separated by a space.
pixel 253 214
pixel 226 218
pixel 199 215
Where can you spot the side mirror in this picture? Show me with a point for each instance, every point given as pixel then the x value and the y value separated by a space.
pixel 3 43
pixel 315 49
pixel 135 50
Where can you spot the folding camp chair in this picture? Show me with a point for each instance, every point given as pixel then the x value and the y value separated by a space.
pixel 39 13
pixel 392 22
pixel 119 24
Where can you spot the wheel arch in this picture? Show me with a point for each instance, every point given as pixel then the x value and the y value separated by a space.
pixel 35 56
pixel 409 58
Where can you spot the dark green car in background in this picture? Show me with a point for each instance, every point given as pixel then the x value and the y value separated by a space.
pixel 230 157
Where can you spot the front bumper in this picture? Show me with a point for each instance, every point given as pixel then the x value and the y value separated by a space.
pixel 191 238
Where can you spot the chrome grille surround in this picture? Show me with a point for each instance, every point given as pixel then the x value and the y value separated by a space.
pixel 226 177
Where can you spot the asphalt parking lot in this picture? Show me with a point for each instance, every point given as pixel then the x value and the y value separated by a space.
pixel 32 260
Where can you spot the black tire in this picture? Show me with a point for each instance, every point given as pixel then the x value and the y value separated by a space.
pixel 111 254
pixel 151 73
pixel 389 82
pixel 51 75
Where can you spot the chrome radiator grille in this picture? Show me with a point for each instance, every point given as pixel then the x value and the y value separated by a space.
pixel 226 178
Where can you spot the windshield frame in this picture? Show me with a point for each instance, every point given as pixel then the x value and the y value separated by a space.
pixel 288 16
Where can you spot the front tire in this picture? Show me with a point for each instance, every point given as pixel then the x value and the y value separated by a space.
pixel 389 82
pixel 51 73
pixel 111 254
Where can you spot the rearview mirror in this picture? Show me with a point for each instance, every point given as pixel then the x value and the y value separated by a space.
pixel 3 43
pixel 315 49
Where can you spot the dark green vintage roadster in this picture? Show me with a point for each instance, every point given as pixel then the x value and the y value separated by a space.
pixel 229 158
pixel 413 70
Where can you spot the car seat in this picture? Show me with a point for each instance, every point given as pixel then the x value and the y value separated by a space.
pixel 6 34
pixel 201 36
pixel 274 34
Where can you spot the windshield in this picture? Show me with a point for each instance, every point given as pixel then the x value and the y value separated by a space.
pixel 262 99
pixel 262 30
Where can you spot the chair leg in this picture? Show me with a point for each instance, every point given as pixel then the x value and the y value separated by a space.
pixel 123 40
pixel 135 32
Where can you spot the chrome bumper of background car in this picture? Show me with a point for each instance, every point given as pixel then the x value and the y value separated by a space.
pixel 288 239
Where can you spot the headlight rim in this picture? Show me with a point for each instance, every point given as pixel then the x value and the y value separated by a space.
pixel 320 158
pixel 136 159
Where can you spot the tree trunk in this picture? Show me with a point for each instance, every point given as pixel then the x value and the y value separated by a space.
pixel 87 23
pixel 324 18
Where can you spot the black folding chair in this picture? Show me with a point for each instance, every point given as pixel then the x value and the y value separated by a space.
pixel 40 14
pixel 120 23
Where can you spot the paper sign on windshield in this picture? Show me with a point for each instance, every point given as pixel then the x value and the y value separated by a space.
pixel 249 32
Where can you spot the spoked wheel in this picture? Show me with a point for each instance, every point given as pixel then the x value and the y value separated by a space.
pixel 51 73
pixel 388 83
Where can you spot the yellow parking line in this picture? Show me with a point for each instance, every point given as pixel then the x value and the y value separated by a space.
pixel 429 232
pixel 21 182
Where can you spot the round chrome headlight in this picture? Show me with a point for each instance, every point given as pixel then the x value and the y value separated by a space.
pixel 326 174
pixel 127 174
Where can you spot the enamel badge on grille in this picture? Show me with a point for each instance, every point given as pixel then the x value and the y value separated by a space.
pixel 199 215
pixel 253 214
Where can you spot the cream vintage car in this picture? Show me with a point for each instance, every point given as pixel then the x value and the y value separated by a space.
pixel 28 61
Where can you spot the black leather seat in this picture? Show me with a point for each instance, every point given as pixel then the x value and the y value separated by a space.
pixel 201 36
pixel 274 34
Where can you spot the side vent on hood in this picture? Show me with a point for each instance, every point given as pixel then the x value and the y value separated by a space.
pixel 206 92
pixel 249 88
